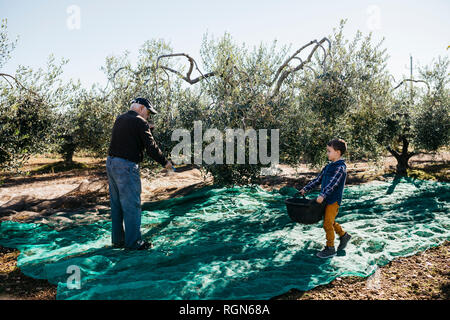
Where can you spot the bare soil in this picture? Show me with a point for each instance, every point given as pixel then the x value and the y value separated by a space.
pixel 81 194
pixel 424 276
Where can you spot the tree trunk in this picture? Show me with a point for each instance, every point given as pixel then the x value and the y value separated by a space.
pixel 402 165
pixel 68 157
pixel 68 149
pixel 403 157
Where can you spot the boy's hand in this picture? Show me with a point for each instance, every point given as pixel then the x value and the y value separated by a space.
pixel 300 193
pixel 319 199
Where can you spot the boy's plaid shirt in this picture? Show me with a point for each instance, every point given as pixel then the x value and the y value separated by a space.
pixel 332 184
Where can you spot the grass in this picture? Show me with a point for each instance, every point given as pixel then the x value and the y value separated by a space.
pixel 420 174
pixel 435 172
pixel 60 166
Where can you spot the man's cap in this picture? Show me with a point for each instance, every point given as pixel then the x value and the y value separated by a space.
pixel 145 103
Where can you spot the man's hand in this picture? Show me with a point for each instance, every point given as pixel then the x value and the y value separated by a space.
pixel 169 166
pixel 302 192
pixel 319 199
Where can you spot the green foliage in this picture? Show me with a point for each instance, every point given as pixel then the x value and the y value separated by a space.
pixel 431 126
pixel 83 125
pixel 25 116
pixel 346 98
pixel 6 46
pixel 417 118
pixel 28 112
pixel 238 96
pixel 23 125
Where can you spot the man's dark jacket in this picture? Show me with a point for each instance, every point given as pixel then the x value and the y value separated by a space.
pixel 131 135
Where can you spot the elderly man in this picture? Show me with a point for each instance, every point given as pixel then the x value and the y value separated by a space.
pixel 131 135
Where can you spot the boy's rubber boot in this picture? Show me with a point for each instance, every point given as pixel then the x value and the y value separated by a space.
pixel 343 241
pixel 328 252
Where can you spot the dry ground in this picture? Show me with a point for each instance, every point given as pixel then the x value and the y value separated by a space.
pixel 56 198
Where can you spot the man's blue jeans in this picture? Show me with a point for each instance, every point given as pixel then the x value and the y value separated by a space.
pixel 125 199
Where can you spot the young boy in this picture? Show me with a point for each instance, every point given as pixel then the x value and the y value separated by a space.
pixel 332 180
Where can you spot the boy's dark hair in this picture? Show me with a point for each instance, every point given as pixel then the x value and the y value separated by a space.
pixel 338 144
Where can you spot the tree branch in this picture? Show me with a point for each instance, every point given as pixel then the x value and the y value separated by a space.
pixel 412 80
pixel 4 75
pixel 111 79
pixel 6 79
pixel 393 152
pixel 186 77
pixel 282 75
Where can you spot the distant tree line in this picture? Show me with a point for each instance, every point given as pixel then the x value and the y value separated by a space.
pixel 332 87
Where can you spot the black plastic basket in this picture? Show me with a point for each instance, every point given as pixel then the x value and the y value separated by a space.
pixel 305 211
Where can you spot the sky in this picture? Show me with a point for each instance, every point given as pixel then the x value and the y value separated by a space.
pixel 86 32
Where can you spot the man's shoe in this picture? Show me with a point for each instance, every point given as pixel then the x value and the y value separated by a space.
pixel 144 245
pixel 343 241
pixel 118 245
pixel 327 252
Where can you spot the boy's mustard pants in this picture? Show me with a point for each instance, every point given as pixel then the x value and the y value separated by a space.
pixel 331 226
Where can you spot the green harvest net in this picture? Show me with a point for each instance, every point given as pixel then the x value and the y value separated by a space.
pixel 235 243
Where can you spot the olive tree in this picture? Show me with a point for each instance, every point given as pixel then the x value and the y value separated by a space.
pixel 242 89
pixel 344 97
pixel 127 81
pixel 418 118
pixel 28 99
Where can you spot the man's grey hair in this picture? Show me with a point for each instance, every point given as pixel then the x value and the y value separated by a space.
pixel 135 106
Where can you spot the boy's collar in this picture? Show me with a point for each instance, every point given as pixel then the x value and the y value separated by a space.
pixel 340 159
